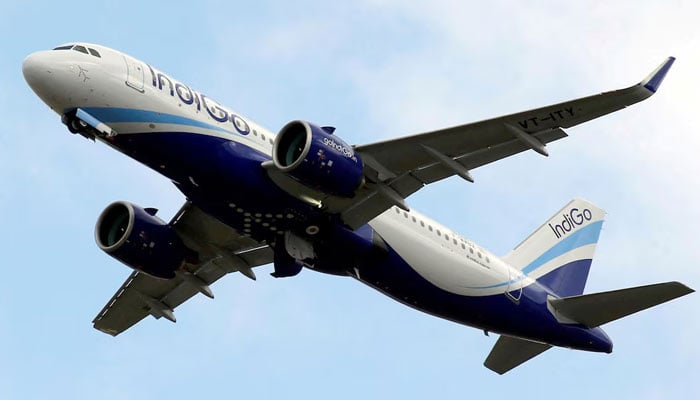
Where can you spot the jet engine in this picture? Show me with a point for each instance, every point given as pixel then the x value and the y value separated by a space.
pixel 317 158
pixel 139 239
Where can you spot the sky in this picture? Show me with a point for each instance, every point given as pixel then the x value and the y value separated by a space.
pixel 375 69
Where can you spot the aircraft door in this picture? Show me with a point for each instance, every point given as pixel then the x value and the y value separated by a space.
pixel 134 73
pixel 514 289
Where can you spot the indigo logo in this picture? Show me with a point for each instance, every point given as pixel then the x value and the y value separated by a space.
pixel 570 221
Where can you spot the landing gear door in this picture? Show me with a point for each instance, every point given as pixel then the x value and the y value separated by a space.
pixel 514 289
pixel 134 74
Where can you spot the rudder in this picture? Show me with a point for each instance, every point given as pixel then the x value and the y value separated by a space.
pixel 560 252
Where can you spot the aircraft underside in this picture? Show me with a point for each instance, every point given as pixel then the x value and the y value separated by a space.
pixel 236 184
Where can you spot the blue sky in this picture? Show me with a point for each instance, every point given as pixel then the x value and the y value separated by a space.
pixel 374 69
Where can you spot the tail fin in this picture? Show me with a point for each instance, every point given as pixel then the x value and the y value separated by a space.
pixel 559 253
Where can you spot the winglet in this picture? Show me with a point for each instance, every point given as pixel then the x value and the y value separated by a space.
pixel 653 81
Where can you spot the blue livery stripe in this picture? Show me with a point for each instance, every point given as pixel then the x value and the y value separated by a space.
pixel 114 114
pixel 498 284
pixel 585 236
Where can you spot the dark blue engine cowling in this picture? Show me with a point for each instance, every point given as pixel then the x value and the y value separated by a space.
pixel 317 158
pixel 139 239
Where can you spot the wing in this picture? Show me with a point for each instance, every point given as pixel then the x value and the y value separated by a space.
pixel 397 168
pixel 223 251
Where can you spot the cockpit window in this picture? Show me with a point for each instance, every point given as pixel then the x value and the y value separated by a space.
pixel 80 49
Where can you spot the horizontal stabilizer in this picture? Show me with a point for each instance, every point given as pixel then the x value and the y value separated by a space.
pixel 597 309
pixel 509 352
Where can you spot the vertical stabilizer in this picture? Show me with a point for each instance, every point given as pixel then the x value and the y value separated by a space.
pixel 559 253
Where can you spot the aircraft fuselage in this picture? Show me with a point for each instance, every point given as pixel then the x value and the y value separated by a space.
pixel 214 155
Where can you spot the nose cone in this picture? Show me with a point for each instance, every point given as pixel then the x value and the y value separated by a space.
pixel 37 72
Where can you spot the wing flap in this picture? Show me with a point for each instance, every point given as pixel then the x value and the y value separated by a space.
pixel 368 203
pixel 127 306
pixel 510 352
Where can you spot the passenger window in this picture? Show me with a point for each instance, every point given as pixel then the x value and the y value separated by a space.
pixel 422 224
pixel 487 259
pixel 405 215
pixel 262 136
pixel 397 210
pixel 454 241
pixel 438 232
pixel 463 246
pixel 430 228
pixel 414 219
pixel 272 142
pixel 255 133
pixel 94 53
pixel 471 250
pixel 80 49
pixel 479 254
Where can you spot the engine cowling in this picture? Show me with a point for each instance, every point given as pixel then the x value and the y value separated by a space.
pixel 317 158
pixel 139 239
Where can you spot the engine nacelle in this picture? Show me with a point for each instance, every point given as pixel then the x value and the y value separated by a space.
pixel 139 239
pixel 317 158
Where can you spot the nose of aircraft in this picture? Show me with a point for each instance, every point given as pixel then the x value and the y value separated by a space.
pixel 37 72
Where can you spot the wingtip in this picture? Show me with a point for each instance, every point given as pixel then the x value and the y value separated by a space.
pixel 653 81
pixel 494 369
pixel 682 288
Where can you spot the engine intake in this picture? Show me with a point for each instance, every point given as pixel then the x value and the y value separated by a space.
pixel 317 158
pixel 139 239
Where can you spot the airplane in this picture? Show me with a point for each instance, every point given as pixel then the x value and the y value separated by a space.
pixel 304 198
